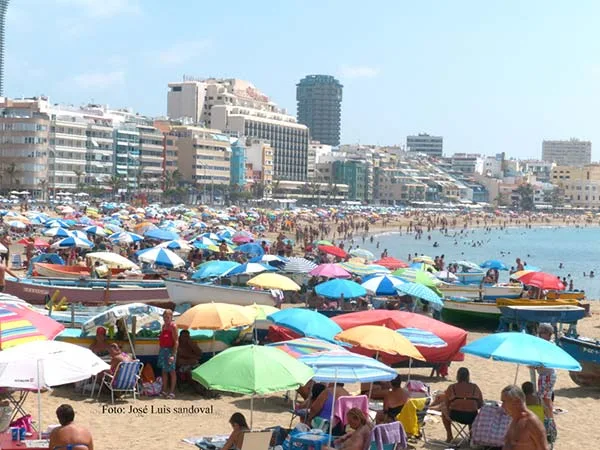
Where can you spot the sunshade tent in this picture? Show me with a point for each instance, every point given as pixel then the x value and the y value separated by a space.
pixel 252 370
pixel 306 322
pixel 214 316
pixel 337 287
pixel 112 260
pixel 382 284
pixel 21 324
pixel 273 281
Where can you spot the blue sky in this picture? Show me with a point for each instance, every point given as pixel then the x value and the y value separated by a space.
pixel 488 76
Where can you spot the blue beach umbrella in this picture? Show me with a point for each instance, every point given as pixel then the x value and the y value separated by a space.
pixel 95 230
pixel 494 264
pixel 420 291
pixel 382 284
pixel 336 287
pixel 73 242
pixel 347 367
pixel 251 249
pixel 56 223
pixel 213 269
pixel 161 257
pixel 125 237
pixel 248 268
pixel 306 322
pixel 161 235
pixel 57 232
pixel 422 338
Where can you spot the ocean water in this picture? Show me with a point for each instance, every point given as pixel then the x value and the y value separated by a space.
pixel 578 249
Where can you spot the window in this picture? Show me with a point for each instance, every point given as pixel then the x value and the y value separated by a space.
pixel 176 89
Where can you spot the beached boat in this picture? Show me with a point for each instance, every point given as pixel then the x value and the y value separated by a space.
pixel 485 292
pixel 196 293
pixel 89 291
pixel 487 313
pixel 587 352
pixel 469 277
pixel 518 318
pixel 72 272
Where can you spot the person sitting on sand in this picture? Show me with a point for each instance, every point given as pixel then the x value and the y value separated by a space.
pixel 393 402
pixel 69 436
pixel 462 402
pixel 100 346
pixel 525 431
pixel 533 401
pixel 236 438
pixel 188 354
pixel 117 356
pixel 360 436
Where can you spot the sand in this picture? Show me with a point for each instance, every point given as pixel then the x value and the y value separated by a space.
pixel 154 423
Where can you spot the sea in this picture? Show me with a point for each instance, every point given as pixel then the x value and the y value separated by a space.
pixel 578 249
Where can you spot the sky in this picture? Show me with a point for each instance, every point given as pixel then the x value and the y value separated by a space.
pixel 488 76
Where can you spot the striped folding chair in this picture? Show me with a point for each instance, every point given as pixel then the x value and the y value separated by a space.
pixel 125 379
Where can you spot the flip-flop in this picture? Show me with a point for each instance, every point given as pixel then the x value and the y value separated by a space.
pixel 164 394
pixel 171 395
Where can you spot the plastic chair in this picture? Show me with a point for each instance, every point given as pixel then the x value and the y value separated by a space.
pixel 257 440
pixel 125 379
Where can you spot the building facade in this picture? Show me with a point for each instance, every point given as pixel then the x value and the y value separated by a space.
pixel 581 185
pixel 355 174
pixel 567 153
pixel 237 173
pixel 424 143
pixel 319 107
pixel 3 8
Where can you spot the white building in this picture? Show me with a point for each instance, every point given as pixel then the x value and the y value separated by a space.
pixel 466 163
pixel 424 143
pixel 567 153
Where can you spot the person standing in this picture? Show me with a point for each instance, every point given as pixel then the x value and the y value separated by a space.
pixel 545 386
pixel 167 355
pixel 525 431
pixel 3 271
pixel 70 435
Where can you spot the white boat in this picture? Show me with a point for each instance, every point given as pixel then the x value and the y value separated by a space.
pixel 485 292
pixel 196 293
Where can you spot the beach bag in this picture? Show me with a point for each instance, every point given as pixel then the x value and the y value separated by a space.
pixel 152 389
pixel 24 422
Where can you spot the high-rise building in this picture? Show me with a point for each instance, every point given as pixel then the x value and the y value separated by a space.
pixel 320 107
pixel 234 105
pixel 567 153
pixel 424 143
pixel 3 7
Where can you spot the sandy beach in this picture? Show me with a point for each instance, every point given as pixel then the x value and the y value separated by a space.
pixel 154 423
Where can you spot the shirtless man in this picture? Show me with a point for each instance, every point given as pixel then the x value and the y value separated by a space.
pixel 69 434
pixel 3 271
pixel 525 432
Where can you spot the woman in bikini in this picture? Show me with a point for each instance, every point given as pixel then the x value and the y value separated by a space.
pixel 462 402
pixel 236 438
pixel 393 402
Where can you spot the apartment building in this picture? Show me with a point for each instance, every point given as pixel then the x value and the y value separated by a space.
pixel 567 153
pixel 581 185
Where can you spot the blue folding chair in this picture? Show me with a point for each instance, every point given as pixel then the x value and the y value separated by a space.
pixel 125 379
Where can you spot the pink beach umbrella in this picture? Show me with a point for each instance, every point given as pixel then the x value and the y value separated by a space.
pixel 242 239
pixel 330 271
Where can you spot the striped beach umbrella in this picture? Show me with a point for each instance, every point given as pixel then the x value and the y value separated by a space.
pixel 422 338
pixel 330 271
pixel 418 276
pixel 359 269
pixel 363 253
pixel 71 242
pixel 347 367
pixel 95 230
pixel 161 257
pixel 382 284
pixel 125 237
pixel 178 244
pixel 420 291
pixel 306 346
pixel 298 265
pixel 57 232
pixel 19 324
pixel 248 268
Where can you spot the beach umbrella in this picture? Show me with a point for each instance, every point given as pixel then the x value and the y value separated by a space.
pixel 161 257
pixel 252 370
pixel 71 242
pixel 382 284
pixel 248 268
pixel 337 287
pixel 360 269
pixel 424 259
pixel 56 223
pixel 522 348
pixel 273 281
pixel 16 224
pixel 469 265
pixel 274 260
pixel 446 275
pixel 214 316
pixel 422 338
pixel 306 322
pixel 57 232
pixel 298 265
pixel 37 242
pixel 178 244
pixel 43 364
pixel 417 276
pixel 125 237
pixel 20 324
pixel 204 242
pixel 363 253
pixel 159 234
pixel 493 264
pixel 96 231
pixel 306 346
pixel 391 263
pixel 423 266
pixel 333 250
pixel 260 312
pixel 542 280
pixel 111 260
pixel 252 250
pixel 212 236
pixel 213 269
pixel 379 339
pixel 330 271
pixel 420 291
pixel 79 234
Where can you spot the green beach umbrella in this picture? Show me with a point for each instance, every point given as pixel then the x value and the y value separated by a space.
pixel 252 370
pixel 418 276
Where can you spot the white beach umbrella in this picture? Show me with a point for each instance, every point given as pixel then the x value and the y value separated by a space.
pixel 73 242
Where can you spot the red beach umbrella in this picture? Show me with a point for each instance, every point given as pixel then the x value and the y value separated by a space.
pixel 542 280
pixel 333 250
pixel 37 242
pixel 391 263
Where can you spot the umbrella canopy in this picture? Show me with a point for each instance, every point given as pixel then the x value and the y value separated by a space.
pixel 417 276
pixel 112 260
pixel 330 271
pixel 337 287
pixel 446 275
pixel 306 322
pixel 424 259
pixel 144 314
pixel 306 346
pixel 522 348
pixel 57 232
pixel 346 367
pixel 20 324
pixel 260 312
pixel 214 316
pixel 161 257
pixel 363 253
pixel 380 339
pixel 159 234
pixel 493 264
pixel 37 242
pixel 213 269
pixel 382 284
pixel 125 237
pixel 362 269
pixel 248 268
pixel 542 280
pixel 298 265
pixel 95 230
pixel 251 370
pixel 391 263
pixel 333 250
pixel 71 242
pixel 422 338
pixel 420 291
pixel 177 244
pixel 273 281
pixel 252 250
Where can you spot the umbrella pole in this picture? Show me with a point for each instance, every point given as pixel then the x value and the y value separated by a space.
pixel 516 373
pixel 251 410
pixel 129 338
pixel 39 399
pixel 409 367
pixel 371 385
pixel 332 410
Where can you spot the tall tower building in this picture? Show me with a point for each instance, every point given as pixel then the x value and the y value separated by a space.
pixel 320 107
pixel 3 7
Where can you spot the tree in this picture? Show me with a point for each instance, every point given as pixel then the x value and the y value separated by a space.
pixel 525 192
pixel 276 188
pixel 78 173
pixel 258 190
pixel 43 183
pixel 10 173
pixel 115 182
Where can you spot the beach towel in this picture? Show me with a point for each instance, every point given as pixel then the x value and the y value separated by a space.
pixel 408 416
pixel 345 404
pixel 389 433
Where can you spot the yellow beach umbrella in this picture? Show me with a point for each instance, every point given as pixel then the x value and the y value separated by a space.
pixel 260 312
pixel 520 273
pixel 273 281
pixel 424 259
pixel 380 339
pixel 214 316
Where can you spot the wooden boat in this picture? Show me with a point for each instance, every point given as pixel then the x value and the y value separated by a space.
pixel 519 317
pixel 72 272
pixel 587 352
pixel 469 277
pixel 485 292
pixel 196 293
pixel 88 291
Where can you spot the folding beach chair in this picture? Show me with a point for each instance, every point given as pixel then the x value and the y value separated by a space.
pixel 345 403
pixel 125 379
pixel 257 440
pixel 388 436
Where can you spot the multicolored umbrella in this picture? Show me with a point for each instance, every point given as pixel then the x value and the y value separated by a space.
pixel 161 257
pixel 363 253
pixel 19 324
pixel 347 367
pixel 418 276
pixel 71 242
pixel 306 346
pixel 248 268
pixel 420 291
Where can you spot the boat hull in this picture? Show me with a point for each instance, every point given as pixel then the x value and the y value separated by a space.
pixel 587 353
pixel 88 292
pixel 70 272
pixel 486 293
pixel 195 293
pixel 469 277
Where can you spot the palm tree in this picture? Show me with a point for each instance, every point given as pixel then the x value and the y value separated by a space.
pixel 10 173
pixel 43 183
pixel 276 188
pixel 115 182
pixel 78 173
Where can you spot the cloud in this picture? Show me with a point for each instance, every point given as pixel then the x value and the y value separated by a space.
pixel 104 8
pixel 359 72
pixel 99 80
pixel 183 51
